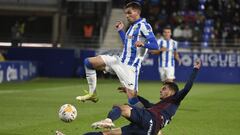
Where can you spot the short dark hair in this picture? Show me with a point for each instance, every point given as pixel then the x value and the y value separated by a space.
pixel 167 27
pixel 172 86
pixel 134 5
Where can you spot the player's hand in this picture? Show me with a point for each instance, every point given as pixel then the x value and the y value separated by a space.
pixel 139 44
pixel 154 52
pixel 197 64
pixel 129 93
pixel 119 25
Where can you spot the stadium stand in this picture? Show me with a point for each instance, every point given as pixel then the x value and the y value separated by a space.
pixel 84 24
pixel 112 39
pixel 200 22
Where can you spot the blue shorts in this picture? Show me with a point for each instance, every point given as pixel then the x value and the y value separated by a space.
pixel 142 123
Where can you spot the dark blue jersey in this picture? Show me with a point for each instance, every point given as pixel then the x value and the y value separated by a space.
pixel 164 110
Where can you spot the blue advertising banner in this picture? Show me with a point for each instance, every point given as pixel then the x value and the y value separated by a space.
pixel 216 67
pixel 52 62
pixel 17 71
pixel 220 67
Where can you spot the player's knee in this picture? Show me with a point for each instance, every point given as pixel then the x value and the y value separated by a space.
pixel 88 64
pixel 122 107
pixel 125 110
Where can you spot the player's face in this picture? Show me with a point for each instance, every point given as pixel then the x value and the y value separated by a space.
pixel 132 14
pixel 165 92
pixel 167 34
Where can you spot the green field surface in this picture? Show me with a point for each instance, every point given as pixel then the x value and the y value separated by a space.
pixel 31 108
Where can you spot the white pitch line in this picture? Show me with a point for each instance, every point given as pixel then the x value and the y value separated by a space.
pixel 38 89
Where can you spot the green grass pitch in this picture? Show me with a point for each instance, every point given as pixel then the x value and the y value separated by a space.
pixel 31 108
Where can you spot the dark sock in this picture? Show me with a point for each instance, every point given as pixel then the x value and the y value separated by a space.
pixel 94 133
pixel 133 101
pixel 115 113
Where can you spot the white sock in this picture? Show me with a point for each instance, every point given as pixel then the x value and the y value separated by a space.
pixel 91 76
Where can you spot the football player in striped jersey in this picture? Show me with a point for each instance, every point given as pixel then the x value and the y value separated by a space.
pixel 167 55
pixel 136 41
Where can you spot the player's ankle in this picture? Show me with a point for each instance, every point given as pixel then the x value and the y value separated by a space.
pixel 133 101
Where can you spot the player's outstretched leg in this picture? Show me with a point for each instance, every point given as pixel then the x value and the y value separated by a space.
pixel 92 82
pixel 113 115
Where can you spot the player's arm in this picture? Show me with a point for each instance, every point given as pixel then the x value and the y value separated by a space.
pixel 181 94
pixel 145 102
pixel 157 52
pixel 151 42
pixel 176 54
pixel 161 48
pixel 119 26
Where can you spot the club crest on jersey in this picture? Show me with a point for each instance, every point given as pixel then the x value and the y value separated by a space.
pixel 134 28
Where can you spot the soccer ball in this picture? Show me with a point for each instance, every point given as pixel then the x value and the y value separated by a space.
pixel 67 113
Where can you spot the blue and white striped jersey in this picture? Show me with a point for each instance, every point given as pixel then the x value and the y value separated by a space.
pixel 138 31
pixel 166 58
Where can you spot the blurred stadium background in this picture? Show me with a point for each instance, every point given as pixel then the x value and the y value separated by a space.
pixel 43 44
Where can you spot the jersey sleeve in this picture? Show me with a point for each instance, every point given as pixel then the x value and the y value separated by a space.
pixel 122 35
pixel 181 94
pixel 145 102
pixel 151 42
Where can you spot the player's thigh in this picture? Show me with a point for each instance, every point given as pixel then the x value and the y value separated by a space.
pixel 170 73
pixel 127 75
pixel 133 129
pixel 97 62
pixel 141 117
pixel 109 60
pixel 125 110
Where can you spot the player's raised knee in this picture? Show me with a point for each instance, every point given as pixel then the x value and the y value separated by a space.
pixel 88 64
pixel 125 110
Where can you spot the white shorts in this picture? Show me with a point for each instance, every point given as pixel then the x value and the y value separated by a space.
pixel 128 75
pixel 167 73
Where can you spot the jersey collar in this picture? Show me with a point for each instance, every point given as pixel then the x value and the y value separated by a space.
pixel 137 21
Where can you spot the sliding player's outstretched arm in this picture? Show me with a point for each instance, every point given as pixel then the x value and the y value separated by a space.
pixel 144 101
pixel 181 94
